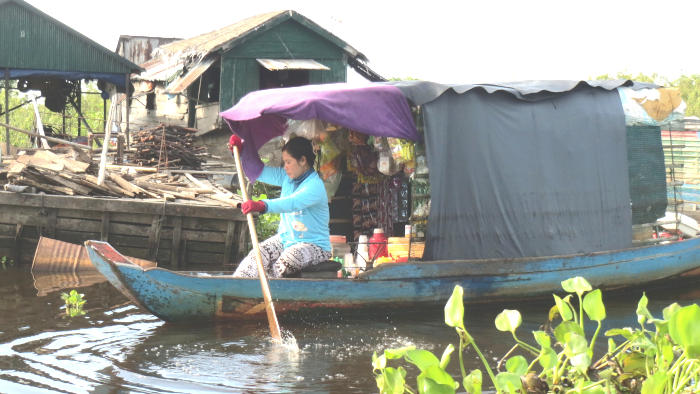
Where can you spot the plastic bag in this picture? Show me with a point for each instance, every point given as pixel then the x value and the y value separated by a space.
pixel 331 184
pixel 308 129
pixel 401 150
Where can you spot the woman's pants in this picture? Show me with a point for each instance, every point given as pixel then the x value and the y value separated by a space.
pixel 280 262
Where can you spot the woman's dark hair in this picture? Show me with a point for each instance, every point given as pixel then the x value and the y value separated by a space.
pixel 298 147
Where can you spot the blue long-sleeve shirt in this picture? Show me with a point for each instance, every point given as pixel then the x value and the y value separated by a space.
pixel 302 205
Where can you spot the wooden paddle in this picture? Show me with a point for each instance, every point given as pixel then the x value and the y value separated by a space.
pixel 269 307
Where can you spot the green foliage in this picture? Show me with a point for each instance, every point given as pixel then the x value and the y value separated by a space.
pixel 74 303
pixel 660 361
pixel 267 223
pixel 5 262
pixel 24 118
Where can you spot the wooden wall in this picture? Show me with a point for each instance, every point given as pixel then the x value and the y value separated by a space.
pixel 176 235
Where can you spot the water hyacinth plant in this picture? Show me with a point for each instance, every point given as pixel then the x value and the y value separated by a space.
pixel 660 356
pixel 74 303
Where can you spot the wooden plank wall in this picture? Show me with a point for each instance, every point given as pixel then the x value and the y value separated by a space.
pixel 176 235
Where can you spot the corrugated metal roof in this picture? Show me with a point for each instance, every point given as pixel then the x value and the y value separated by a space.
pixel 291 64
pixel 139 49
pixel 39 42
pixel 181 83
pixel 208 42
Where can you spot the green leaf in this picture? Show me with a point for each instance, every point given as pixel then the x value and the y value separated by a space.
pixel 378 362
pixel 684 328
pixel 581 362
pixel 445 359
pixel 577 285
pixel 508 320
pixel 575 344
pixel 626 332
pixel 422 359
pixel 655 384
pixel 593 305
pixel 437 375
pixel 643 313
pixel 392 354
pixel 548 358
pixel 565 329
pixel 517 365
pixel 670 310
pixel 430 386
pixel 454 309
pixel 633 363
pixel 509 382
pixel 563 307
pixel 472 383
pixel 542 338
pixel 392 381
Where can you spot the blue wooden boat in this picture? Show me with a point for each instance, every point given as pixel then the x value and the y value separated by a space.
pixel 192 296
pixel 531 183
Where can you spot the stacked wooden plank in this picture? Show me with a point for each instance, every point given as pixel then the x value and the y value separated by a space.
pixel 167 146
pixel 69 174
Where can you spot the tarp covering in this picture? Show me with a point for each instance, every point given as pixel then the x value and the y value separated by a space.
pixel 525 169
pixel 119 80
pixel 515 175
pixel 379 110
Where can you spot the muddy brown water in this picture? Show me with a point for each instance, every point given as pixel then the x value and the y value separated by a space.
pixel 116 347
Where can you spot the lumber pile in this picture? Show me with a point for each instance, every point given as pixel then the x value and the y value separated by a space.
pixel 167 146
pixel 70 172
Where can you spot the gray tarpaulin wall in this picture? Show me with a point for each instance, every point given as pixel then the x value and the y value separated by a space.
pixel 525 170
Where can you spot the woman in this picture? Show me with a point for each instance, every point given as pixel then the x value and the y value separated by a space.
pixel 302 238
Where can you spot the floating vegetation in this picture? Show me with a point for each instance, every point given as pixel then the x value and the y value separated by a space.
pixel 74 303
pixel 661 356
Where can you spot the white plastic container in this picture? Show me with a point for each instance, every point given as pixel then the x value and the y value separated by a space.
pixel 362 252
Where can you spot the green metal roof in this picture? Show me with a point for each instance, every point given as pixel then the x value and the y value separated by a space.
pixel 31 39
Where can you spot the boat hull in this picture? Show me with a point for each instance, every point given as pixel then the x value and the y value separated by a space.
pixel 188 297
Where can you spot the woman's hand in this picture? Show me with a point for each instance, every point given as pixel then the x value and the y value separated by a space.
pixel 235 141
pixel 253 206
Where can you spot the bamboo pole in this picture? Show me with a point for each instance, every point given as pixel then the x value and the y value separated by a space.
pixel 53 139
pixel 267 298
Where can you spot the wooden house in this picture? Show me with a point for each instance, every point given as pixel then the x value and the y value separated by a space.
pixel 188 82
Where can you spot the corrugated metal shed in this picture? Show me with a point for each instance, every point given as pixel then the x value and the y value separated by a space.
pixel 31 39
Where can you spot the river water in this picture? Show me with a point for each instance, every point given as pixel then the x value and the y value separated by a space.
pixel 116 347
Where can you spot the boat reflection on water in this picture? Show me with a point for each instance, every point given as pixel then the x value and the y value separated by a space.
pixel 46 282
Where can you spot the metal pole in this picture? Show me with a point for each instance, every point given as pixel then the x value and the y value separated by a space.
pixel 7 112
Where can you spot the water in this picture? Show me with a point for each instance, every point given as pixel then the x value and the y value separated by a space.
pixel 117 347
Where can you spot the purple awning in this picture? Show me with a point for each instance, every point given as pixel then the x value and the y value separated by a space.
pixel 378 110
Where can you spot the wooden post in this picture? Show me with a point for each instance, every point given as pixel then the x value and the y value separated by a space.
pixel 154 237
pixel 228 244
pixel 79 107
pixel 177 240
pixel 120 149
pixel 104 113
pixel 128 109
pixel 7 110
pixel 104 229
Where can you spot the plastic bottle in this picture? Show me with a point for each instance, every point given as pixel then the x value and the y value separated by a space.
pixel 377 244
pixel 362 252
